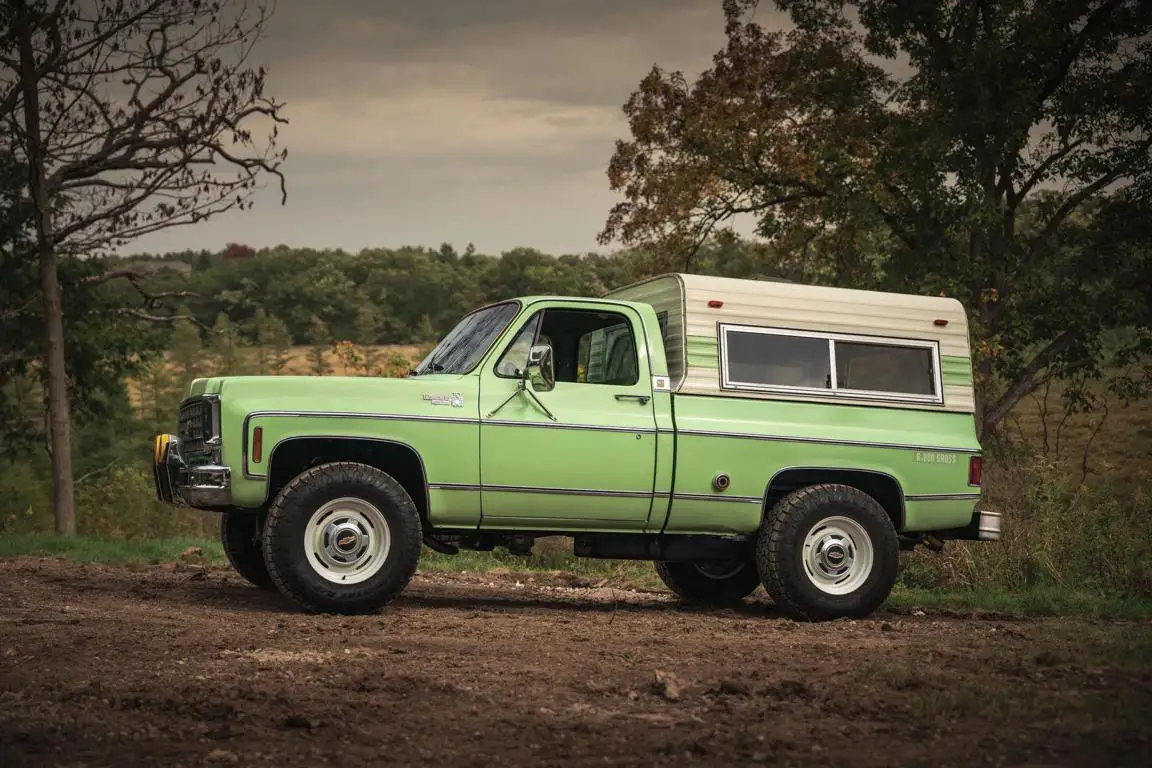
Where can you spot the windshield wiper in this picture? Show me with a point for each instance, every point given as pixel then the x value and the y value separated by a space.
pixel 432 367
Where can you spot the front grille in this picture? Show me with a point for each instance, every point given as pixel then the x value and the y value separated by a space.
pixel 195 426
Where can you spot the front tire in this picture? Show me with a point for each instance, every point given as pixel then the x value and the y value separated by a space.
pixel 240 538
pixel 828 552
pixel 342 538
pixel 719 582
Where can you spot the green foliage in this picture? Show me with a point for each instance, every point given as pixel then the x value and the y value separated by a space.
pixel 227 351
pixel 369 330
pixel 1005 162
pixel 117 501
pixel 273 343
pixel 186 352
pixel 87 549
pixel 101 345
pixel 319 341
pixel 1057 535
pixel 407 295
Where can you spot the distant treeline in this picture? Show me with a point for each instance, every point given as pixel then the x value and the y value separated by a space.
pixel 407 295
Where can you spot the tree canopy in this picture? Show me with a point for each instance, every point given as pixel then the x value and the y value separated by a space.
pixel 985 151
pixel 127 117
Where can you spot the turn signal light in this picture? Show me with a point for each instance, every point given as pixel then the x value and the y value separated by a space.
pixel 257 444
pixel 975 467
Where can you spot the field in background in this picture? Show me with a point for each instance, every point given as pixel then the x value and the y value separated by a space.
pixel 299 362
pixel 1111 446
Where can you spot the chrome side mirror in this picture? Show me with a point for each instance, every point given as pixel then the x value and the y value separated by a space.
pixel 540 372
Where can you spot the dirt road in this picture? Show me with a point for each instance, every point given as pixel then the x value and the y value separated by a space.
pixel 179 666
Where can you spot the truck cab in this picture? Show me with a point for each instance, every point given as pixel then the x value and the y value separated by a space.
pixel 738 433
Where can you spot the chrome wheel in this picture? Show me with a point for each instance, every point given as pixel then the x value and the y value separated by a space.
pixel 347 541
pixel 837 555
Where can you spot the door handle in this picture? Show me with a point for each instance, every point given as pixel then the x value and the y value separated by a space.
pixel 642 398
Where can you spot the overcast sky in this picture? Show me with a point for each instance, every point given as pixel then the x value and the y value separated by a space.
pixel 427 121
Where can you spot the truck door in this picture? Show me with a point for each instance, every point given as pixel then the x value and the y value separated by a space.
pixel 584 451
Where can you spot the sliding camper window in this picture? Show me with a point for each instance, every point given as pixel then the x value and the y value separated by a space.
pixel 836 365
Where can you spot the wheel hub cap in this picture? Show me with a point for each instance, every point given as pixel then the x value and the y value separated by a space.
pixel 347 540
pixel 833 554
pixel 837 555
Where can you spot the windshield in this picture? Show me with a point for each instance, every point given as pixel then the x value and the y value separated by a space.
pixel 462 348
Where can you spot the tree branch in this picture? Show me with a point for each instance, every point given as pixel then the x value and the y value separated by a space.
pixel 1025 380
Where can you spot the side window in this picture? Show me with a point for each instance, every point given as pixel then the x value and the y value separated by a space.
pixel 588 347
pixel 662 318
pixel 608 356
pixel 885 368
pixel 768 359
pixel 776 360
pixel 515 358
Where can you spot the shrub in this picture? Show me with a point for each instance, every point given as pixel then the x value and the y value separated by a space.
pixel 1056 533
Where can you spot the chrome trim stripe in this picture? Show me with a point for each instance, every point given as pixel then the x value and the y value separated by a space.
pixel 825 441
pixel 714 497
pixel 355 415
pixel 453 487
pixel 567 491
pixel 944 497
pixel 591 492
pixel 551 425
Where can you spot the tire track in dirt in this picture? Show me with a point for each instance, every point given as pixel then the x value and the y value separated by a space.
pixel 186 667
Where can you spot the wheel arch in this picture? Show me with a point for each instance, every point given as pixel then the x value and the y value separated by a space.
pixel 882 486
pixel 293 455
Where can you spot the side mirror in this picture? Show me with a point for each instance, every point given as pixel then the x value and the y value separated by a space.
pixel 541 373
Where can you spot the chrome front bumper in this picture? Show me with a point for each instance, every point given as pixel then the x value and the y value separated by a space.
pixel 203 486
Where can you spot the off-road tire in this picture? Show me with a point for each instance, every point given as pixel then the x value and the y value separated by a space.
pixel 240 537
pixel 780 556
pixel 686 580
pixel 287 523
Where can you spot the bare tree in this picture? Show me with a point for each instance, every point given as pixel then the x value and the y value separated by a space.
pixel 130 116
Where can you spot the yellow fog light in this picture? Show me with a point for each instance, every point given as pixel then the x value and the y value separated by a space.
pixel 161 445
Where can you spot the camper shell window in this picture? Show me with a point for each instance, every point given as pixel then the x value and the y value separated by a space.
pixel 781 360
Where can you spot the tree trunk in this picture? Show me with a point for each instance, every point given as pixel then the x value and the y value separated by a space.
pixel 60 438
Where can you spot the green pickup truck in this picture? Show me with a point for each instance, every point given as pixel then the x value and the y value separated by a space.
pixel 737 433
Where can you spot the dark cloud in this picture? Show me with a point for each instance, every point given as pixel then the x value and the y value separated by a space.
pixel 483 120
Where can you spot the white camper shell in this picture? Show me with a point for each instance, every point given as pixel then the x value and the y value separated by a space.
pixel 778 340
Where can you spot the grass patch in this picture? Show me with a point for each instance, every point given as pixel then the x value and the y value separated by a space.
pixel 1033 601
pixel 85 549
pixel 617 573
pixel 551 558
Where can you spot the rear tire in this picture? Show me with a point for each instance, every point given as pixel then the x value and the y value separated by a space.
pixel 240 537
pixel 828 552
pixel 709 582
pixel 342 538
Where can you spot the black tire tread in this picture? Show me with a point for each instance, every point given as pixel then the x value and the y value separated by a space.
pixel 246 556
pixel 677 578
pixel 357 473
pixel 779 533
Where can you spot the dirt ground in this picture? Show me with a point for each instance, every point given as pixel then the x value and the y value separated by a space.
pixel 186 666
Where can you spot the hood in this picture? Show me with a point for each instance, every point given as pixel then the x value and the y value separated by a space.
pixel 333 394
